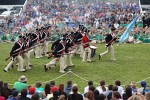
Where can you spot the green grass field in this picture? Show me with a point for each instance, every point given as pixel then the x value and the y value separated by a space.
pixel 133 62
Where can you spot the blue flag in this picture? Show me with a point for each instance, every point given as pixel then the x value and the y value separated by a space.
pixel 129 28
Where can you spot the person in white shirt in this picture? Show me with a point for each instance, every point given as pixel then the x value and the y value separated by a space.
pixel 102 89
pixel 120 88
pixel 86 89
pixel 116 25
pixel 130 39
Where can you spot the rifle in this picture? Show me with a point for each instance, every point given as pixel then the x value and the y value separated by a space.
pixel 110 42
pixel 26 50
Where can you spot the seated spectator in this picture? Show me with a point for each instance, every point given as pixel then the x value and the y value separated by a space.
pixel 1 84
pixel 120 88
pixel 67 89
pixel 55 95
pixel 89 95
pixel 1 97
pixel 143 86
pixel 115 88
pixel 14 95
pixel 9 90
pixel 134 87
pixel 39 89
pixel 101 97
pixel 116 95
pixel 21 84
pixel 5 92
pixel 61 97
pixel 109 90
pixel 96 94
pixel 130 39
pixel 35 97
pixel 86 89
pixel 61 91
pixel 74 95
pixel 47 90
pixel 23 95
pixel 128 93
pixel 53 87
pixel 136 97
pixel 147 96
pixel 31 92
pixel 102 89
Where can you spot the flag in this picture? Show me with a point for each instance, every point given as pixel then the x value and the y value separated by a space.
pixel 129 28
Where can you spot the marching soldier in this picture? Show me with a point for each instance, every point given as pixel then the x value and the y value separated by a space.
pixel 86 46
pixel 35 40
pixel 68 46
pixel 78 39
pixel 26 54
pixel 109 45
pixel 57 53
pixel 43 36
pixel 16 54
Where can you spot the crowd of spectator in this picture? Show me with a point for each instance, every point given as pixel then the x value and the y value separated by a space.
pixel 50 91
pixel 64 16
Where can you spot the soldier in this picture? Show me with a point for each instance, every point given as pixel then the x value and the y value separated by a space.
pixel 86 47
pixel 78 39
pixel 16 54
pixel 57 53
pixel 109 45
pixel 68 47
pixel 35 40
pixel 27 45
pixel 43 36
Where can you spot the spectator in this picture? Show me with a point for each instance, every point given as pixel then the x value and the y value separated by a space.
pixel 39 89
pixel 35 97
pixel 120 88
pixel 53 87
pixel 116 95
pixel 61 97
pixel 147 96
pixel 75 95
pixel 4 92
pixel 67 89
pixel 23 95
pixel 110 87
pixel 61 91
pixel 55 95
pixel 89 95
pixel 114 89
pixel 86 89
pixel 47 90
pixel 14 95
pixel 96 94
pixel 128 93
pixel 136 97
pixel 31 92
pixel 21 84
pixel 143 86
pixel 102 89
pixel 1 97
pixel 101 97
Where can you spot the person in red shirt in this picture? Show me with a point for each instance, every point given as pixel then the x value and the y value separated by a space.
pixel 85 44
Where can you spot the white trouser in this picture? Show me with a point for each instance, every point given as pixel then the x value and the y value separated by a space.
pixel 78 48
pixel 54 61
pixel 37 52
pixel 27 57
pixel 45 48
pixel 111 50
pixel 69 58
pixel 86 57
pixel 20 61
